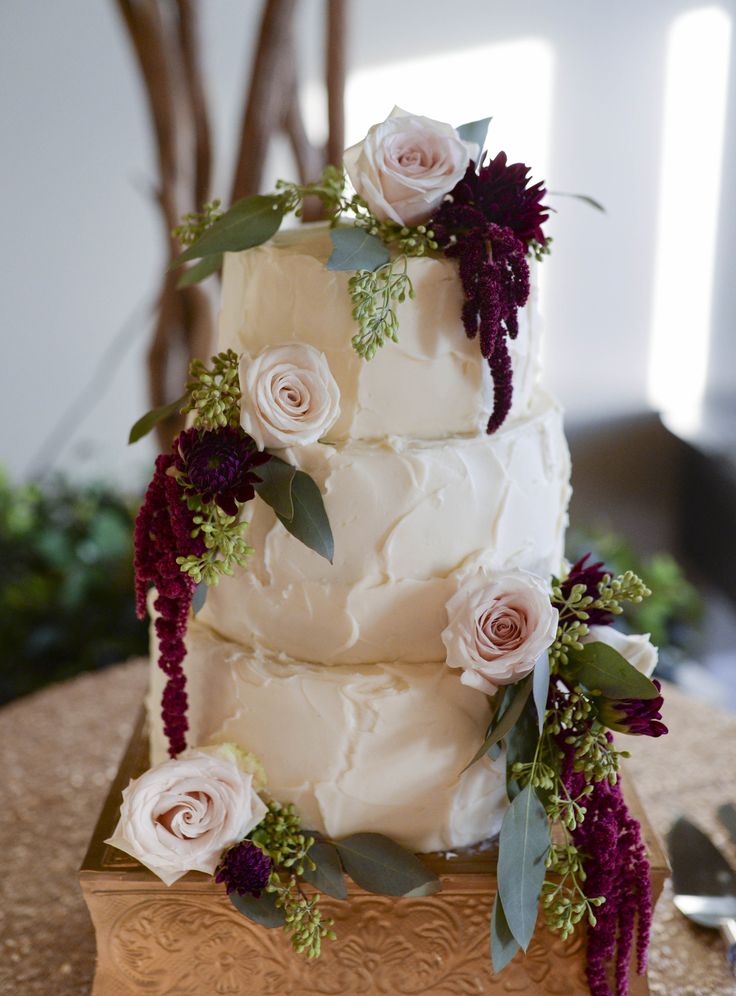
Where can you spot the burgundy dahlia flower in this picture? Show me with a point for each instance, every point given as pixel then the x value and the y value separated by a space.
pixel 498 193
pixel 641 717
pixel 591 576
pixel 218 464
pixel 244 868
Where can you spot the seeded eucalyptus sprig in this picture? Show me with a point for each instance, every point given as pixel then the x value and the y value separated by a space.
pixel 281 837
pixel 214 392
pixel 374 294
pixel 225 545
pixel 194 224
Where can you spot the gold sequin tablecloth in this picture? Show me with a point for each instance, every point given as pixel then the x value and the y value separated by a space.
pixel 60 748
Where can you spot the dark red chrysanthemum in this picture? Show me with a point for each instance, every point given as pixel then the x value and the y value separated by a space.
pixel 499 193
pixel 218 465
pixel 640 717
pixel 591 576
pixel 163 532
pixel 244 868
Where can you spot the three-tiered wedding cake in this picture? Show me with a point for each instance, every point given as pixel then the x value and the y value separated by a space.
pixel 335 675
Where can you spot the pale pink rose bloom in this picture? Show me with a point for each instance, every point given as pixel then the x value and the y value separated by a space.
pixel 404 166
pixel 289 396
pixel 498 625
pixel 181 815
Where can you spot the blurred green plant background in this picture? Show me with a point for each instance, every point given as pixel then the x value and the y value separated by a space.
pixel 66 590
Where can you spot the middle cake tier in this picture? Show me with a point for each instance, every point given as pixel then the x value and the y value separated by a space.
pixel 406 516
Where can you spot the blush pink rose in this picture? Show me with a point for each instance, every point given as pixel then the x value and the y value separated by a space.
pixel 404 166
pixel 498 624
pixel 181 815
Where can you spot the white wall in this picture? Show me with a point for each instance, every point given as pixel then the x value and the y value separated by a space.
pixel 576 89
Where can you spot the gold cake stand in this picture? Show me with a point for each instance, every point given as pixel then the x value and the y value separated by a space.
pixel 187 938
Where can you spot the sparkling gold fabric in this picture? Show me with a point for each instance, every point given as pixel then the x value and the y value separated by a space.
pixel 60 748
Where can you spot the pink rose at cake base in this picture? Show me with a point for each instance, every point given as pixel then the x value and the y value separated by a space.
pixel 359 538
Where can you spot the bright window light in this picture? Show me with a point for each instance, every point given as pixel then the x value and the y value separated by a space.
pixel 696 86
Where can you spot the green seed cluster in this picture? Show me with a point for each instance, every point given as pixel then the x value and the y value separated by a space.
pixel 373 295
pixel 195 223
pixel 282 838
pixel 224 540
pixel 214 392
pixel 563 899
pixel 304 919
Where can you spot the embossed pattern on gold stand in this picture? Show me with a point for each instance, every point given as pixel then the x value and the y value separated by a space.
pixel 189 939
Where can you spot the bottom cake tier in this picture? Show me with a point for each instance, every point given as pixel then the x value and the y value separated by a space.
pixel 375 747
pixel 188 938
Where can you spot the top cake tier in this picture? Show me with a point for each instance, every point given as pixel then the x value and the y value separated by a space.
pixel 432 384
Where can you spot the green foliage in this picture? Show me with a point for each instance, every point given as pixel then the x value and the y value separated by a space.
pixel 356 249
pixel 214 392
pixel 225 544
pixel 475 131
pixel 303 919
pixel 374 294
pixel 66 595
pixel 522 853
pixel 378 864
pixel 309 522
pixel 147 422
pixel 604 671
pixel 281 836
pixel 249 222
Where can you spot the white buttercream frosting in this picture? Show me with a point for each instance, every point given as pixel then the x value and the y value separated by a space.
pixel 406 515
pixel 432 384
pixel 374 748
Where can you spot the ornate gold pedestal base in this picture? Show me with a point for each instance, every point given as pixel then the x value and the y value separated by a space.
pixel 189 939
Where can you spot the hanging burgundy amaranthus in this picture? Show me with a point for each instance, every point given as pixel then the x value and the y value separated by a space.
pixel 616 868
pixel 163 532
pixel 487 223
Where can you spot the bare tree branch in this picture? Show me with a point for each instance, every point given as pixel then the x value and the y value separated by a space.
pixel 264 101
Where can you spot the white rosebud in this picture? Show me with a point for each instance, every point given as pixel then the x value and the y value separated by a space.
pixel 498 624
pixel 405 166
pixel 289 396
pixel 181 815
pixel 638 649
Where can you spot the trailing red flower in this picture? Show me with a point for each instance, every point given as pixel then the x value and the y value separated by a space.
pixel 487 223
pixel 163 531
pixel 616 868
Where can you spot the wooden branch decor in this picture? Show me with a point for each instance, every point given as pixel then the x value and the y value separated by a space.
pixel 166 41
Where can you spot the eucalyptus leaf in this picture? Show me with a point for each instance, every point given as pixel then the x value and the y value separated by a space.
pixel 199 597
pixel 521 745
pixel 328 876
pixel 507 717
pixel 200 271
pixel 356 249
pixel 378 864
pixel 147 422
pixel 475 131
pixel 585 198
pixel 522 849
pixel 540 686
pixel 277 477
pixel 248 223
pixel 262 910
pixel 309 523
pixel 602 669
pixel 503 943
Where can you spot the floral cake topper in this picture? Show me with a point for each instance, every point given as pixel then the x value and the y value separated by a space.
pixel 421 187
